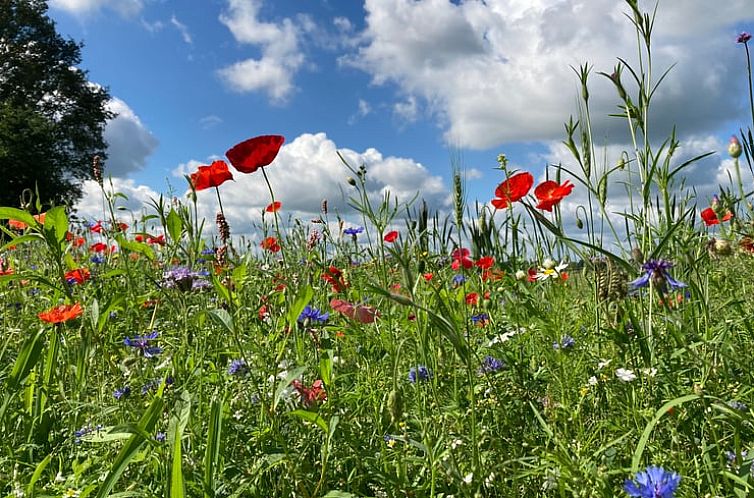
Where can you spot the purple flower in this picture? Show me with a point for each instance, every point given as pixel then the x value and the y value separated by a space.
pixel 657 271
pixel 458 279
pixel 655 482
pixel 122 392
pixel 238 368
pixel 738 405
pixel 743 37
pixel 141 343
pixel 312 315
pixel 566 342
pixel 354 231
pixel 491 364
pixel 420 372
pixel 182 278
pixel 160 437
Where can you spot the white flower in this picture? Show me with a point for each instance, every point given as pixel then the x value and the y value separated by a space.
pixel 592 381
pixel 521 275
pixel 649 372
pixel 625 375
pixel 548 271
pixel 602 364
pixel 548 264
pixel 468 478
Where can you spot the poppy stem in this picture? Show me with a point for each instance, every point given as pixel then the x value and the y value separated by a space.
pixel 274 213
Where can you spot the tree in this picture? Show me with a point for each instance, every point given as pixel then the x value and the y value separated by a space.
pixel 52 118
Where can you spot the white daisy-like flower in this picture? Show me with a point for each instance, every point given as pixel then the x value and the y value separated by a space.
pixel 547 271
pixel 625 374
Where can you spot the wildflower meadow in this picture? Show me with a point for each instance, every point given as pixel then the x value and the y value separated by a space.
pixel 507 348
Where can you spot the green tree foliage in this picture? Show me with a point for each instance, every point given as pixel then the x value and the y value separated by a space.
pixel 52 118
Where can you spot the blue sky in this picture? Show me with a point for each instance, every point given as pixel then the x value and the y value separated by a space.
pixel 403 85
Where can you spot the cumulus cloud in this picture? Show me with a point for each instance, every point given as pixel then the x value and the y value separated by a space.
pixel 129 143
pixel 133 206
pixel 126 8
pixel 500 70
pixel 281 56
pixel 306 171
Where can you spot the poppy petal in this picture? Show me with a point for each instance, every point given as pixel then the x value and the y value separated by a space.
pixel 254 153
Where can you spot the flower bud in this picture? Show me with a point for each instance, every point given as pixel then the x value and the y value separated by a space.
pixel 521 275
pixel 351 181
pixel 734 147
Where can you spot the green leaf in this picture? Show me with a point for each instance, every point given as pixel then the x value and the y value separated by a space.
pixel 21 239
pixel 174 225
pixel 223 318
pixel 293 374
pixel 56 222
pixel 178 421
pixel 131 448
pixel 305 295
pixel 9 213
pixel 26 360
pixel 212 452
pixel 37 474
pixel 138 247
pixel 311 417
pixel 339 494
pixel 636 460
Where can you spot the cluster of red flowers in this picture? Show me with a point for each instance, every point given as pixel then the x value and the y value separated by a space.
pixel 246 157
pixel 150 239
pixel 359 312
pixel 78 276
pixel 549 193
pixel 20 225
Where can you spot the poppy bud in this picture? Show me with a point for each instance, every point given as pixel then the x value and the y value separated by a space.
pixel 351 181
pixel 579 223
pixel 637 256
pixel 734 147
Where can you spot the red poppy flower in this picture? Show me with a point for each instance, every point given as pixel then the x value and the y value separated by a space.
pixel 270 244
pixel 61 313
pixel 20 225
pixel 159 240
pixel 213 175
pixel 709 216
pixel 310 395
pixel 3 269
pixel 358 312
pixel 97 227
pixel 255 153
pixel 391 236
pixel 428 276
pixel 334 277
pixel 550 193
pixel 513 189
pixel 98 247
pixel 485 262
pixel 461 258
pixel 274 207
pixel 139 237
pixel 472 298
pixel 78 276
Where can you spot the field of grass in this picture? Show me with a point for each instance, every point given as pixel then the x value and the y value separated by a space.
pixel 411 354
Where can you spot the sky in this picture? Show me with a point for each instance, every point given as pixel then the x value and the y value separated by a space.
pixel 410 88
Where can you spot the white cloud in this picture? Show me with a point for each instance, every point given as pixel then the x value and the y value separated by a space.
pixel 138 198
pixel 363 110
pixel 182 28
pixel 126 8
pixel 308 170
pixel 210 121
pixel 279 44
pixel 500 70
pixel 129 143
pixel 407 110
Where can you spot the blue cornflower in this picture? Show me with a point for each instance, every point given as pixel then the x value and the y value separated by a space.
pixel 491 364
pixel 458 279
pixel 142 344
pixel 97 259
pixel 208 251
pixel 238 368
pixel 657 271
pixel 354 231
pixel 655 482
pixel 184 279
pixel 312 315
pixel 566 342
pixel 122 392
pixel 420 372
pixel 160 437
pixel 480 319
